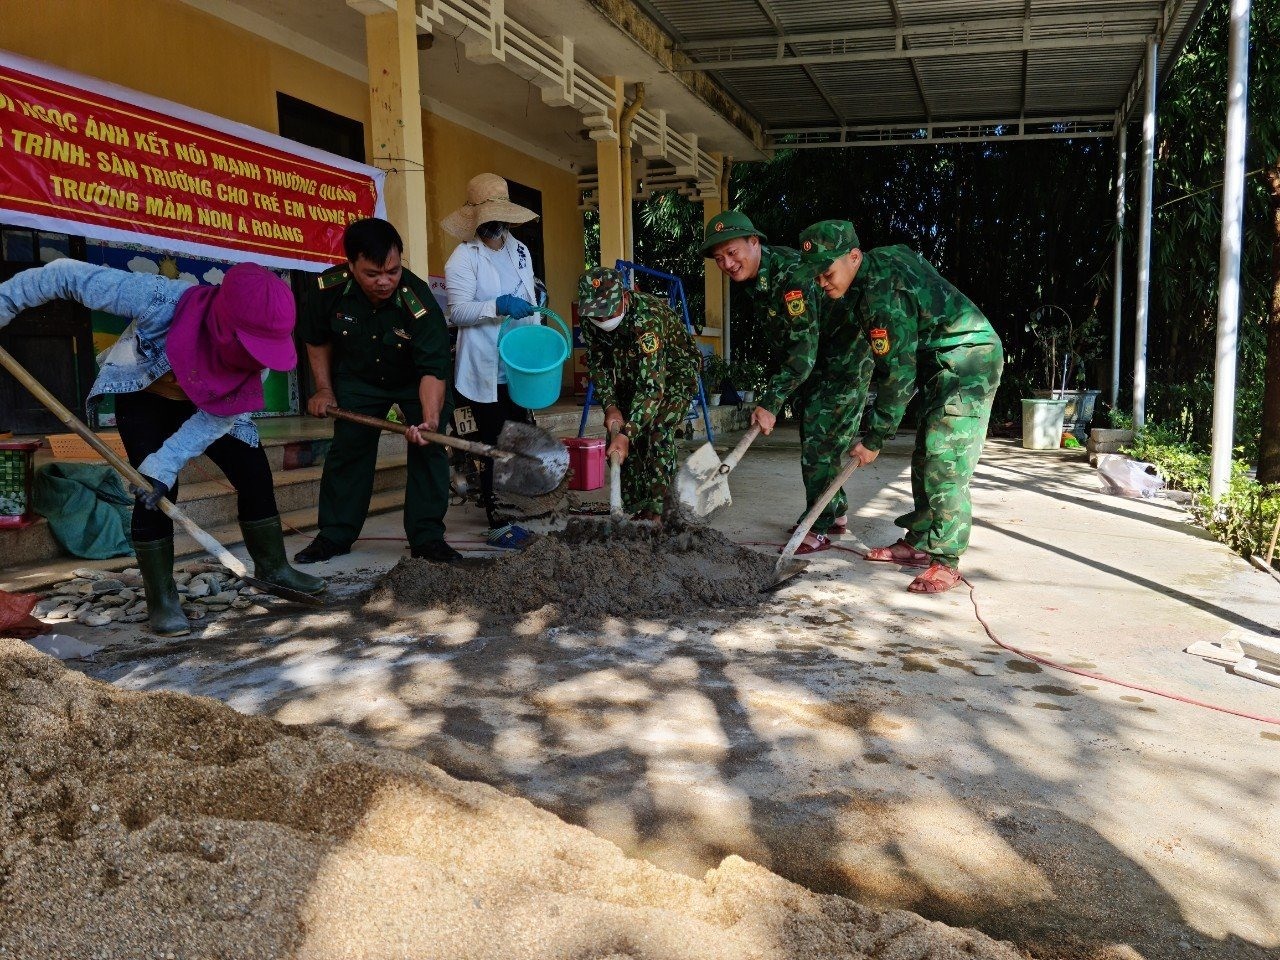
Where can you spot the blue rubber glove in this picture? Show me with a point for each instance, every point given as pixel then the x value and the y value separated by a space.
pixel 514 307
pixel 149 499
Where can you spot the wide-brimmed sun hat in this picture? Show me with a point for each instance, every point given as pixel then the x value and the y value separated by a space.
pixel 488 199
pixel 222 337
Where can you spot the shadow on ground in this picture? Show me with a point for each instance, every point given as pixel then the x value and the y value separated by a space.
pixel 886 754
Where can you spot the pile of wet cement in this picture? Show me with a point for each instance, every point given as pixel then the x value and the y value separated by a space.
pixel 587 575
pixel 163 825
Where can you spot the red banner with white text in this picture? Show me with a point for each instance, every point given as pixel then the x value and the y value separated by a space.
pixel 89 158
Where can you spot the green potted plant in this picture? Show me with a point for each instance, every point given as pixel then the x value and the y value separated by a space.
pixel 1066 347
pixel 715 377
pixel 747 376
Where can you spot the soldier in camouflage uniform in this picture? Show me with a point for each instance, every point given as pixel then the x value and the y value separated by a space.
pixel 644 365
pixel 824 361
pixel 924 334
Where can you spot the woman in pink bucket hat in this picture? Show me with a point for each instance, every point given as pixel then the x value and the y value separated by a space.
pixel 185 374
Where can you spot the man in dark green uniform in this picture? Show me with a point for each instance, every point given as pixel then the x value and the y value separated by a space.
pixel 644 365
pixel 824 361
pixel 375 337
pixel 927 335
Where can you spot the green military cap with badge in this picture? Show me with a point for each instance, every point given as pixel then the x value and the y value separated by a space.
pixel 600 293
pixel 825 242
pixel 730 225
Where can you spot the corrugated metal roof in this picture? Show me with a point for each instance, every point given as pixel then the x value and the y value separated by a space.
pixel 813 65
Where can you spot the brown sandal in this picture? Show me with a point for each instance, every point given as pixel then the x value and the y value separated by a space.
pixel 939 578
pixel 822 542
pixel 901 553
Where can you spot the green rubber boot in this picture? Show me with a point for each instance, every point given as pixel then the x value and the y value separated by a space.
pixel 155 562
pixel 265 541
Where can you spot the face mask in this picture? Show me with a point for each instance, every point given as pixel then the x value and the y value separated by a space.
pixel 491 230
pixel 609 323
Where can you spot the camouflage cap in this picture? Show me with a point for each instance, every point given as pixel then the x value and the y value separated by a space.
pixel 825 242
pixel 600 293
pixel 730 225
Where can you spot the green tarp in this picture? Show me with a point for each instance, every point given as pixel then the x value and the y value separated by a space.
pixel 87 509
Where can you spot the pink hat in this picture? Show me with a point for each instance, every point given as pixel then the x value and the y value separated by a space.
pixel 221 338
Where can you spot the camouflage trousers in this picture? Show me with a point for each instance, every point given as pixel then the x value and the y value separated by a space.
pixel 829 406
pixel 957 395
pixel 651 463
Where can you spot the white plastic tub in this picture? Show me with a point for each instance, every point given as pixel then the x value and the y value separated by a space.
pixel 1042 424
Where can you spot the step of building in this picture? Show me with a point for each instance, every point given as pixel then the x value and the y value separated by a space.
pixel 289 454
pixel 31 576
pixel 211 504
pixel 296 465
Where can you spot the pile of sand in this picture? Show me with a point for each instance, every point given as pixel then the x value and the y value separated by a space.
pixel 586 578
pixel 161 825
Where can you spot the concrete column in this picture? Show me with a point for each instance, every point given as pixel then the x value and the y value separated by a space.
pixel 1143 291
pixel 395 109
pixel 1233 179
pixel 1117 320
pixel 609 168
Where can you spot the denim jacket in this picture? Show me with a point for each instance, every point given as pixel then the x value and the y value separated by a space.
pixel 138 358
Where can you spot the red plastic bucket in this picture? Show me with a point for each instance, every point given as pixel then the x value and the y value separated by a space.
pixel 586 462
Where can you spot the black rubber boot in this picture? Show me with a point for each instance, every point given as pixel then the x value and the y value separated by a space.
pixel 155 562
pixel 265 541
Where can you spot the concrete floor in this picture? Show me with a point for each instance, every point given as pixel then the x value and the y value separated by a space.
pixel 849 735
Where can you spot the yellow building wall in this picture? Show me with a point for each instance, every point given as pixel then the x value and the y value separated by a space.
pixel 455 154
pixel 170 50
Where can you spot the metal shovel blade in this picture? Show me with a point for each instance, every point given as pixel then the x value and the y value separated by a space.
pixel 539 463
pixel 700 485
pixel 787 568
pixel 285 593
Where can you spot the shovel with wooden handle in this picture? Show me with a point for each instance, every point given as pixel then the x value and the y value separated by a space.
pixel 702 484
pixel 788 566
pixel 122 467
pixel 526 460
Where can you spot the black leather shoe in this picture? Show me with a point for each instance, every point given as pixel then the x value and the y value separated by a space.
pixel 319 550
pixel 436 551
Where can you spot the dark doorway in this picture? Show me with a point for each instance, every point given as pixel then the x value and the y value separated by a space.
pixel 319 128
pixel 316 127
pixel 530 234
pixel 54 342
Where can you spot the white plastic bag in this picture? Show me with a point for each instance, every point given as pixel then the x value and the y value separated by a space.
pixel 1125 477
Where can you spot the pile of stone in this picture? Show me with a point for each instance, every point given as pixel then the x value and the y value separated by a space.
pixel 96 598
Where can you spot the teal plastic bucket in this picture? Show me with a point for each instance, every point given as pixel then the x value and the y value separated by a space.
pixel 534 356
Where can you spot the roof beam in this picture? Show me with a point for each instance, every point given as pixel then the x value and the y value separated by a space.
pixel 1026 54
pixel 899 52
pixel 951 131
pixel 1096 23
pixel 934 139
pixel 768 11
pixel 915 68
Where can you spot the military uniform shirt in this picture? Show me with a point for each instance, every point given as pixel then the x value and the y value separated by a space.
pixel 909 311
pixel 392 345
pixel 648 355
pixel 784 297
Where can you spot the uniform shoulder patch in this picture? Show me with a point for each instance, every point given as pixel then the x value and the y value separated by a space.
pixel 880 341
pixel 649 342
pixel 333 278
pixel 794 300
pixel 410 300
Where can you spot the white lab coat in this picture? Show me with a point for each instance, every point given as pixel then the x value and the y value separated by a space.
pixel 474 285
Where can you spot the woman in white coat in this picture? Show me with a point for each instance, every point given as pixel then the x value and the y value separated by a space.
pixel 490 279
